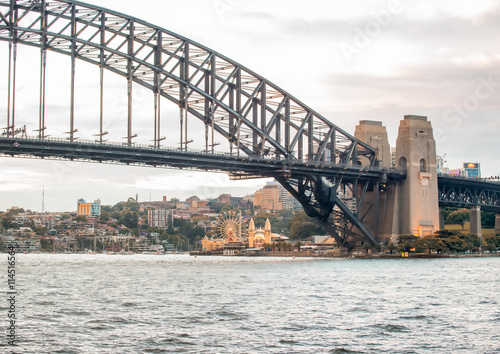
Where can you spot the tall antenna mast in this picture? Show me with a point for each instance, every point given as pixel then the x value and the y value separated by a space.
pixel 43 198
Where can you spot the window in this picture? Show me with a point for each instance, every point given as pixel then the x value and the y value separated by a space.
pixel 423 167
pixel 402 163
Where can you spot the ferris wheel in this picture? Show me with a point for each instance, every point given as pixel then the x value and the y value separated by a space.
pixel 229 226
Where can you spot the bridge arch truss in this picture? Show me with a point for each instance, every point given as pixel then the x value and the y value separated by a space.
pixel 256 118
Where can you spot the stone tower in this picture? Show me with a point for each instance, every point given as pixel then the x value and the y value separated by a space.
pixel 417 197
pixel 375 134
pixel 377 209
pixel 267 232
pixel 251 233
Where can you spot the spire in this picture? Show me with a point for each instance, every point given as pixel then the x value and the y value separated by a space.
pixel 268 225
pixel 251 225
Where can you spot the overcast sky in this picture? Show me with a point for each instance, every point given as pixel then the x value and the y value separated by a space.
pixel 350 61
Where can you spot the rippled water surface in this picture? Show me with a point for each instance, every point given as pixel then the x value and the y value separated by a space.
pixel 182 304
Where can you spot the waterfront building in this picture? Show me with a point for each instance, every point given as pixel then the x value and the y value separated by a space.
pixel 160 218
pixel 258 237
pixel 273 197
pixel 92 210
pixel 165 204
pixel 212 244
pixel 225 198
pixel 258 198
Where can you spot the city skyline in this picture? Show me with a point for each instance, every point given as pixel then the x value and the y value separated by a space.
pixel 375 60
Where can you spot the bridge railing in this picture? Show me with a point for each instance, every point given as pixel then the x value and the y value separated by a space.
pixel 319 164
pixel 464 178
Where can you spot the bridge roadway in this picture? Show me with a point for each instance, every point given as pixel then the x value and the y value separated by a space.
pixel 238 166
pixel 465 193
pixel 453 191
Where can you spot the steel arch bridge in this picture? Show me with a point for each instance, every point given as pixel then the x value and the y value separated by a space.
pixel 466 193
pixel 267 132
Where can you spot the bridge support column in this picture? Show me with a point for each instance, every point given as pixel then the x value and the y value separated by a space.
pixel 379 206
pixel 441 219
pixel 418 213
pixel 497 223
pixel 475 221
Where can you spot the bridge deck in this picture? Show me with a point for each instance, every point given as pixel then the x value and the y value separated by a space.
pixel 191 159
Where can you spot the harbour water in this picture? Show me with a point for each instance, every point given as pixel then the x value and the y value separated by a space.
pixel 183 304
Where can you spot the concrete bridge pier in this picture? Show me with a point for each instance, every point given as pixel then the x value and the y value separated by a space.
pixel 475 221
pixel 409 207
pixel 441 219
pixel 377 207
pixel 418 198
pixel 497 223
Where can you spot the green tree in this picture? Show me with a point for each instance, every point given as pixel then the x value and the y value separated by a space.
pixel 391 247
pixel 367 247
pixel 447 211
pixel 407 242
pixel 471 242
pixel 260 220
pixel 8 222
pixel 40 231
pixel 379 247
pixel 487 219
pixel 216 206
pixel 302 226
pixel 459 217
pixel 442 234
pixel 130 220
pixel 455 244
pixel 494 241
pixel 131 205
pixel 104 217
pixel 431 243
pixel 80 218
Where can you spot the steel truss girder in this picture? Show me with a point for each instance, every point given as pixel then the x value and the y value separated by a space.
pixel 320 199
pixel 466 193
pixel 178 69
pixel 150 156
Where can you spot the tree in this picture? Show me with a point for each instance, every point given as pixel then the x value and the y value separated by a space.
pixel 487 219
pixel 431 243
pixel 130 220
pixel 81 218
pixel 459 217
pixel 447 211
pixel 494 241
pixel 367 247
pixel 104 217
pixel 455 244
pixel 216 206
pixel 41 231
pixel 303 226
pixel 8 222
pixel 391 247
pixel 446 233
pixel 472 242
pixel 407 242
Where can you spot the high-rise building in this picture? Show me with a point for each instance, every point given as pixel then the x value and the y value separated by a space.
pixel 271 199
pixel 274 197
pixel 258 198
pixel 92 210
pixel 160 218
